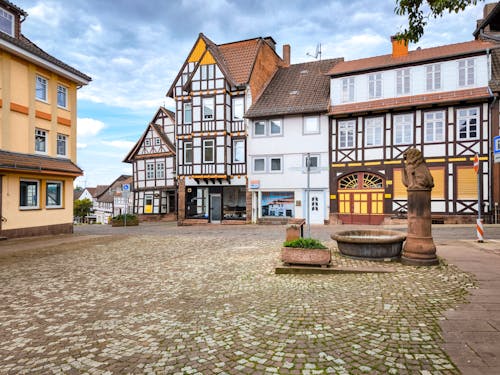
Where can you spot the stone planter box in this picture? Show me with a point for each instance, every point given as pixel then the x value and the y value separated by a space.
pixel 121 223
pixel 296 255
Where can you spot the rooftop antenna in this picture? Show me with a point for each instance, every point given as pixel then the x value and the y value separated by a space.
pixel 317 53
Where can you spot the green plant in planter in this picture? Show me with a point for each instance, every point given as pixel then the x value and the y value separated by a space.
pixel 305 243
pixel 130 217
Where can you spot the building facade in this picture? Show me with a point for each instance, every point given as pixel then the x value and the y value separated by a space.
pixel 434 99
pixel 289 126
pixel 213 90
pixel 154 169
pixel 38 117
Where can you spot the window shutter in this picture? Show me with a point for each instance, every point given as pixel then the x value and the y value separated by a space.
pixel 467 181
pixel 399 190
pixel 438 176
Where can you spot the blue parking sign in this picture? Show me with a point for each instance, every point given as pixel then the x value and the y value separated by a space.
pixel 126 187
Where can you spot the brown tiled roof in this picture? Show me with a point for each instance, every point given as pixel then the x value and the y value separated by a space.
pixel 77 194
pixel 27 45
pixel 298 88
pixel 91 190
pixel 13 7
pixel 239 58
pixel 411 101
pixel 100 189
pixel 495 71
pixel 413 57
pixel 491 18
pixel 14 161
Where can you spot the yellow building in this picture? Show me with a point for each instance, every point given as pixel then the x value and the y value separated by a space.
pixel 37 133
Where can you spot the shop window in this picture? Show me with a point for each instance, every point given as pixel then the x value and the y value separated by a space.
pixel 278 204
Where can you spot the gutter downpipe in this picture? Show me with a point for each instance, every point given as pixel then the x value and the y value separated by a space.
pixel 490 151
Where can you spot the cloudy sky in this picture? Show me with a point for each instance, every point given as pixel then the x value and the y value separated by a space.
pixel 134 49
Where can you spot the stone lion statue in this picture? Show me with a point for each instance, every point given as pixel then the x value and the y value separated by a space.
pixel 416 175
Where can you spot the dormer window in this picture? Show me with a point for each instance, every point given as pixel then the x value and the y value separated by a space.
pixel 6 22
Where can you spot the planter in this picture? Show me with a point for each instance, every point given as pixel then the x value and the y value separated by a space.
pixel 121 223
pixel 297 255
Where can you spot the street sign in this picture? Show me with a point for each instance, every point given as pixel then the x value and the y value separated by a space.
pixel 476 163
pixel 126 187
pixel 496 148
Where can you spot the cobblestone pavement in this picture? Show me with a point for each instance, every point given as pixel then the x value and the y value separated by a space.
pixel 202 304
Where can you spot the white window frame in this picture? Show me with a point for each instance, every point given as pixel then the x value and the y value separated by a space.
pixel 308 119
pixel 60 194
pixel 466 116
pixel 42 134
pixel 403 129
pixel 254 161
pixel 30 207
pixel 236 142
pixel 403 81
pixel 160 170
pixel 157 141
pixel 374 127
pixel 431 126
pixel 344 129
pixel 311 156
pixel 433 77
pixel 261 123
pixel 238 108
pixel 208 103
pixel 206 146
pixel 62 139
pixel 188 149
pixel 279 124
pixel 147 142
pixel 41 89
pixel 150 170
pixel 270 163
pixel 375 85
pixel 466 72
pixel 187 108
pixel 62 93
pixel 347 89
pixel 8 17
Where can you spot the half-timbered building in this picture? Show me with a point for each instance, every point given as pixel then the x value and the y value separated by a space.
pixel 289 127
pixel 212 91
pixel 154 167
pixel 434 99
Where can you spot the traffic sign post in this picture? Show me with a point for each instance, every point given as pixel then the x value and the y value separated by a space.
pixel 479 222
pixel 125 193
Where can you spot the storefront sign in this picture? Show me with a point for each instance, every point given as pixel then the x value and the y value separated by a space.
pixel 254 184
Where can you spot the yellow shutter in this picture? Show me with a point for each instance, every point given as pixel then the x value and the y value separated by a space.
pixel 466 183
pixel 399 191
pixel 438 176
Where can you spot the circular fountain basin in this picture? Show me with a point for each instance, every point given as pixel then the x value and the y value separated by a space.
pixel 370 244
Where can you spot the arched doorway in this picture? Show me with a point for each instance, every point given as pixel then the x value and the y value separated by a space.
pixel 361 198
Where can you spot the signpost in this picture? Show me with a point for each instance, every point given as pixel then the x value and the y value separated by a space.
pixel 125 193
pixel 479 223
pixel 496 149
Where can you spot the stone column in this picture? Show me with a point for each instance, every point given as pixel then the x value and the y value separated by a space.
pixel 419 248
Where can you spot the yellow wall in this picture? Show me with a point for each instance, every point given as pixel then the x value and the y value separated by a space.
pixel 43 216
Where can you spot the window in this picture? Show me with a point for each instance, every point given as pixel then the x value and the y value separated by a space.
pixel 54 194
pixel 238 109
pixel 311 125
pixel 238 151
pixel 62 141
pixel 150 171
pixel 466 72
pixel 147 142
pixel 188 113
pixel 6 22
pixel 278 203
pixel 403 129
pixel 403 82
pixel 62 96
pixel 40 141
pixel 208 150
pixel 41 88
pixel 433 77
pixel 346 134
pixel 373 131
pixel 157 141
pixel 188 152
pixel 348 89
pixel 208 108
pixel 275 127
pixel 467 121
pixel 259 128
pixel 28 194
pixel 375 85
pixel 434 126
pixel 313 162
pixel 259 165
pixel 276 164
pixel 160 169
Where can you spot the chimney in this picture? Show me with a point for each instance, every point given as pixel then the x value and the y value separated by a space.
pixel 399 47
pixel 286 54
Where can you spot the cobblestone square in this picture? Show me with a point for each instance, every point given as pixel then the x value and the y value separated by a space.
pixel 194 303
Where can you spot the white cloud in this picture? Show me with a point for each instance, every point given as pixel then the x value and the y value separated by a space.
pixel 81 145
pixel 120 144
pixel 48 13
pixel 89 127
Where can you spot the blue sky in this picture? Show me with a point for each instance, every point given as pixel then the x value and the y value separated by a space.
pixel 134 49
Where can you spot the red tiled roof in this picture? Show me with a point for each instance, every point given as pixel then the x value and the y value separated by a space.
pixel 239 58
pixel 38 163
pixel 410 101
pixel 416 56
